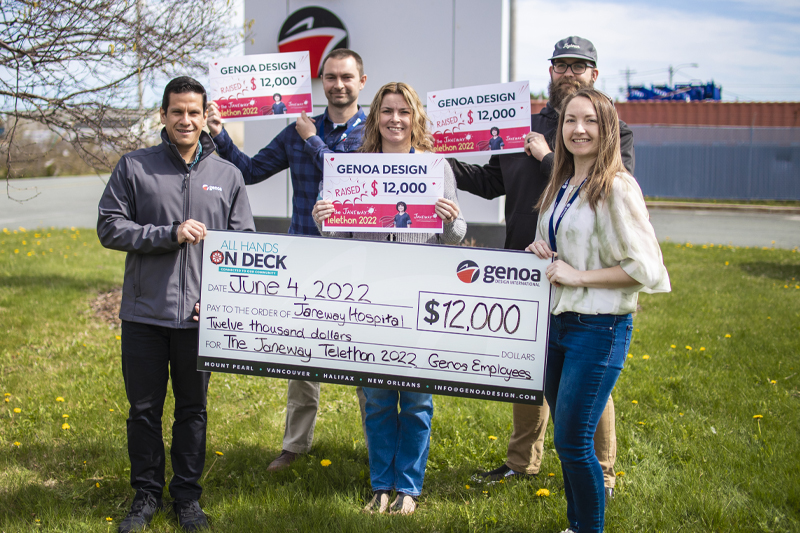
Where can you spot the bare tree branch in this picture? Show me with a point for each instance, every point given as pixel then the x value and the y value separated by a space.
pixel 78 67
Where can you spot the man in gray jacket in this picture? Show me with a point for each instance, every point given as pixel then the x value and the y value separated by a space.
pixel 157 206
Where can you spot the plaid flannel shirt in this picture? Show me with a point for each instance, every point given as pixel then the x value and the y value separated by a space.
pixel 304 159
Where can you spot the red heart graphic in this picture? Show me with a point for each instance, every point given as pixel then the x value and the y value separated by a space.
pixel 332 158
pixel 215 64
pixel 434 183
pixel 434 96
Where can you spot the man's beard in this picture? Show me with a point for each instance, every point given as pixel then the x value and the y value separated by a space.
pixel 563 88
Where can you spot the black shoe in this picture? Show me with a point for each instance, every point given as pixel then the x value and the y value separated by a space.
pixel 500 473
pixel 190 516
pixel 609 494
pixel 143 508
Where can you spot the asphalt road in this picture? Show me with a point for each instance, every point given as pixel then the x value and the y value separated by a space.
pixel 66 202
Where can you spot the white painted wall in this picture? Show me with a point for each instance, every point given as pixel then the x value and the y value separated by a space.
pixel 430 44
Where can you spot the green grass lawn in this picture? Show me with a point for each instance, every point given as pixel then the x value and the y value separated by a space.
pixel 706 360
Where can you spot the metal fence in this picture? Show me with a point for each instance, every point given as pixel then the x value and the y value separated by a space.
pixel 718 162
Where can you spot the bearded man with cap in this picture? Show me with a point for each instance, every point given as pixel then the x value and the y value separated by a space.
pixel 522 177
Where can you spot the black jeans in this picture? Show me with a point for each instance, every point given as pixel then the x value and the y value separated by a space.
pixel 150 356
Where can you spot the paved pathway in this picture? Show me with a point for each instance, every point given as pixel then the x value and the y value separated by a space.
pixel 727 227
pixel 65 202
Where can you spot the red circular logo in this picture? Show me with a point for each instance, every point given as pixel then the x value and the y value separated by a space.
pixel 217 257
pixel 315 30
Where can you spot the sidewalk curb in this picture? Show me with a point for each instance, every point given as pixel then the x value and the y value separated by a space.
pixel 694 206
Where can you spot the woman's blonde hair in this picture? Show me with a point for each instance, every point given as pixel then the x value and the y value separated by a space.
pixel 420 138
pixel 609 158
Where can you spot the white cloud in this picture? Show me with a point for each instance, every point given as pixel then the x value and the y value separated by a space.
pixel 751 60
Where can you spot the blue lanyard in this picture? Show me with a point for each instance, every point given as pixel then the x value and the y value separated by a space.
pixel 554 230
pixel 343 136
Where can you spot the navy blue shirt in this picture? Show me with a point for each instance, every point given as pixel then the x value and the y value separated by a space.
pixel 402 220
pixel 496 143
pixel 303 158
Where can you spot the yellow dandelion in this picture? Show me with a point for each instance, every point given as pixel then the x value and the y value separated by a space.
pixel 119 338
pixel 769 318
pixel 630 356
pixel 785 286
pixel 641 423
pixel 758 416
pixel 672 346
pixel 64 416
pixel 688 347
pixel 645 357
pixel 17 444
pixel 109 519
pixel 7 394
pixel 486 492
pixel 772 382
pixel 325 462
pixel 8 399
pixel 727 335
pixel 64 426
pixel 17 410
pixel 97 485
pixel 59 399
pixel 702 348
pixel 219 453
pixel 634 402
pixel 492 437
pixel 551 474
pixel 620 474
pixel 680 414
pixel 16 250
pixel 542 493
pixel 110 410
pixel 466 486
pixel 727 263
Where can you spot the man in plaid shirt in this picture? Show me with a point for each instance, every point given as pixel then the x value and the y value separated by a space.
pixel 300 147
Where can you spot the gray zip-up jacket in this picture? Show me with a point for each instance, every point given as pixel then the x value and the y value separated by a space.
pixel 149 194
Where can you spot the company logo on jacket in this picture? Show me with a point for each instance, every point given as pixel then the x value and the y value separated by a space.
pixel 211 188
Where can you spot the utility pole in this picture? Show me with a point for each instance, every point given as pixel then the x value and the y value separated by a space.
pixel 628 73
pixel 672 70
pixel 512 39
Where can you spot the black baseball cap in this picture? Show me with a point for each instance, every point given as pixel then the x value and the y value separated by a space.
pixel 576 47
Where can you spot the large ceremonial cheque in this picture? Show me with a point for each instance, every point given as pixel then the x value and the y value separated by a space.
pixel 261 86
pixel 484 117
pixel 383 192
pixel 440 319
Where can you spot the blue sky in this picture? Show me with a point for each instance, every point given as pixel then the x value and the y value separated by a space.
pixel 751 49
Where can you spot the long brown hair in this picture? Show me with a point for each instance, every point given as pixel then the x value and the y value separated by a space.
pixel 609 158
pixel 420 138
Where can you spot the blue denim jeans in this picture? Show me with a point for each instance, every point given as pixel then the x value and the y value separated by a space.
pixel 584 359
pixel 398 443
